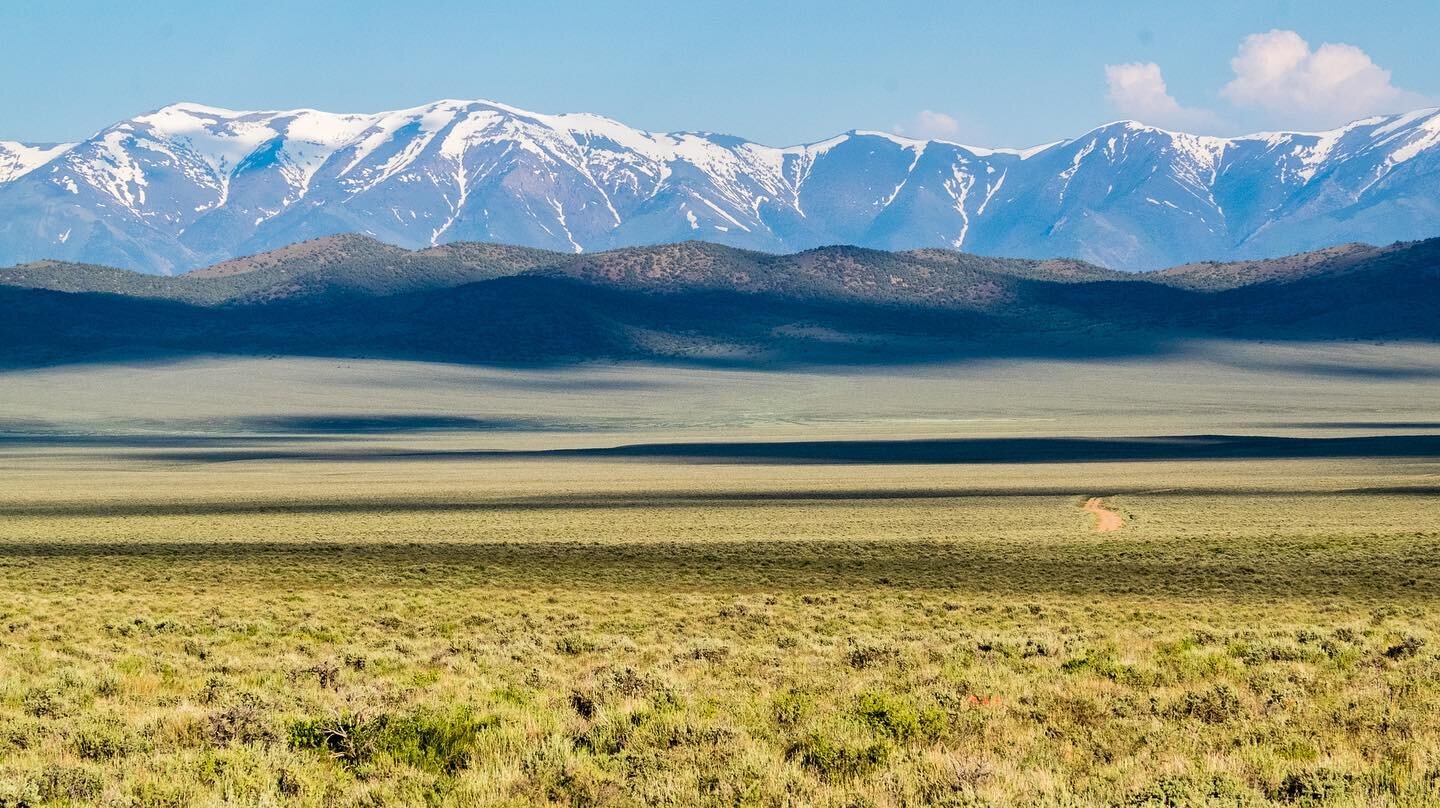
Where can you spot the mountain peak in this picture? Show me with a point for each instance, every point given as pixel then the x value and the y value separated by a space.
pixel 195 108
pixel 1131 127
pixel 191 184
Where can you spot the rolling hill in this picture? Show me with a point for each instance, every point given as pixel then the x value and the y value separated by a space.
pixel 701 302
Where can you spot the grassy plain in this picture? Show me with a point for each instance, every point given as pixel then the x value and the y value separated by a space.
pixel 311 582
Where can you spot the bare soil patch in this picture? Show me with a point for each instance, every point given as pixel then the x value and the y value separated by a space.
pixel 1106 520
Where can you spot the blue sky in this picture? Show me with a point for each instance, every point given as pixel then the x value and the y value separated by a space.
pixel 984 73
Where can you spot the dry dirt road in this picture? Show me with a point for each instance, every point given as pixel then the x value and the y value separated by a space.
pixel 1106 520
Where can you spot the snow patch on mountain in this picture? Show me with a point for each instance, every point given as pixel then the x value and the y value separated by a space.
pixel 19 159
pixel 190 184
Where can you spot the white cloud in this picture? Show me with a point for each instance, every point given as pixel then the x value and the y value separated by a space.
pixel 931 125
pixel 1138 91
pixel 1277 74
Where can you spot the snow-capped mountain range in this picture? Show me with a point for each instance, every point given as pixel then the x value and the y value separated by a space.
pixel 189 185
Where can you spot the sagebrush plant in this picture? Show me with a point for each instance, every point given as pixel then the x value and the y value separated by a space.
pixel 863 649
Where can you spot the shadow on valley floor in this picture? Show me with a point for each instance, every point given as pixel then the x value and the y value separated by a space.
pixel 1264 568
pixel 919 452
pixel 578 501
pixel 61 440
pixel 383 424
pixel 1370 372
pixel 1352 425
pixel 259 430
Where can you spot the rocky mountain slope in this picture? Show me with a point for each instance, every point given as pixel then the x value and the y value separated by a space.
pixel 188 185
